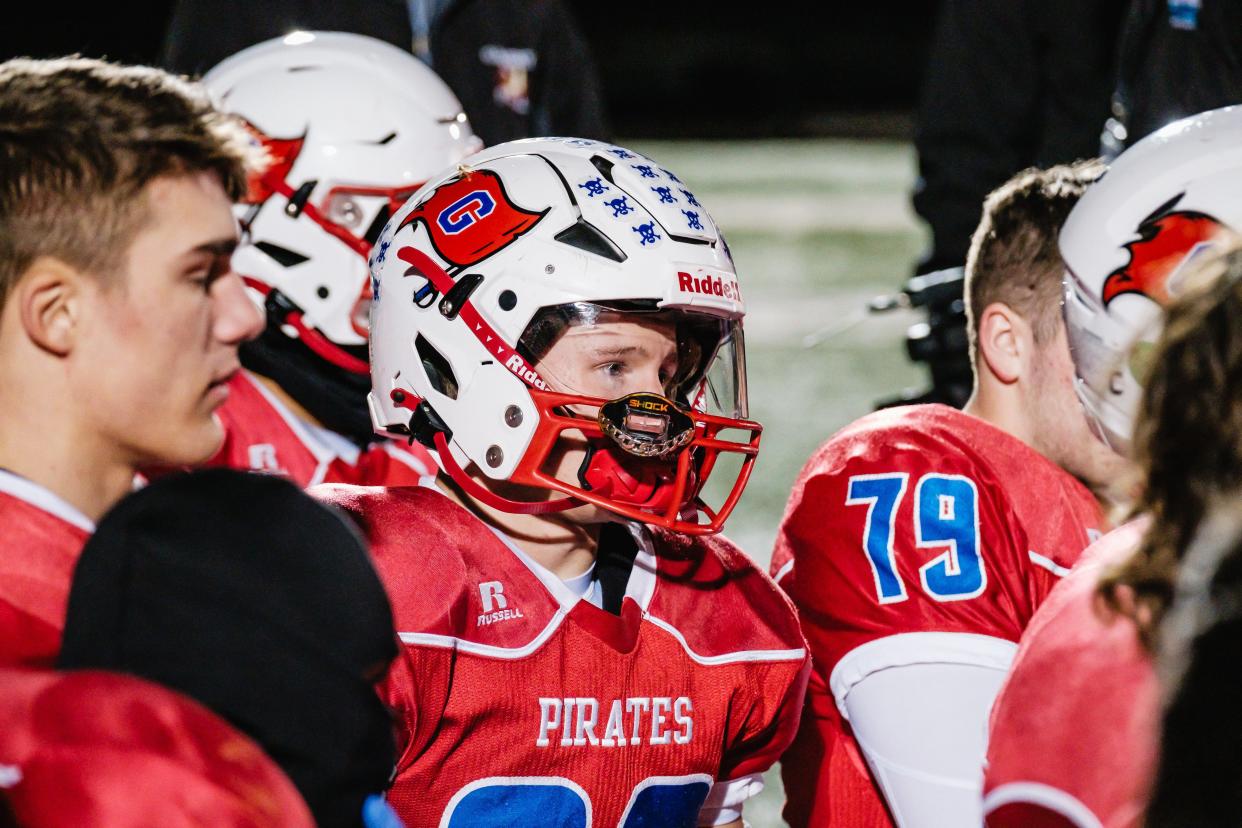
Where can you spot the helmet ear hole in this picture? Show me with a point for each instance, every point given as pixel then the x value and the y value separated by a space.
pixel 438 370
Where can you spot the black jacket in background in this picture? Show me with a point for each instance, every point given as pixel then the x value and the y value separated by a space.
pixel 1009 85
pixel 1167 72
pixel 564 89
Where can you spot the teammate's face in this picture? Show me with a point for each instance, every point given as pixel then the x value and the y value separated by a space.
pixel 160 338
pixel 617 355
pixel 1062 431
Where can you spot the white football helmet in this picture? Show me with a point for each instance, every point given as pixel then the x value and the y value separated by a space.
pixel 1127 246
pixel 353 126
pixel 487 266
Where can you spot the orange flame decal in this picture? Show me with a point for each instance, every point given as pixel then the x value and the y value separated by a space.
pixel 1166 240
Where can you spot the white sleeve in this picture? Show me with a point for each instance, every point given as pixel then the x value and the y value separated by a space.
pixel 918 704
pixel 724 800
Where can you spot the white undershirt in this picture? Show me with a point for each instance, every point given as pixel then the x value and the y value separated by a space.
pixel 585 586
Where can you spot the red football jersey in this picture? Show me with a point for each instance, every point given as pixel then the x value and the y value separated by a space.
pixel 262 434
pixel 102 749
pixel 1073 735
pixel 921 519
pixel 41 538
pixel 523 704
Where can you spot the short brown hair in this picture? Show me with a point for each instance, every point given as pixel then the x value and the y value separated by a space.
pixel 80 139
pixel 1013 256
pixel 1188 437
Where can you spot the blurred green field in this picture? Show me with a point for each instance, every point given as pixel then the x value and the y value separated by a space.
pixel 817 228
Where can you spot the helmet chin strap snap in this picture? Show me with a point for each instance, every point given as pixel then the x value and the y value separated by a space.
pixel 471 486
pixel 486 496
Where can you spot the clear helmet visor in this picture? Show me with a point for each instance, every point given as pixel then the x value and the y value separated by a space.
pixel 608 351
pixel 1111 356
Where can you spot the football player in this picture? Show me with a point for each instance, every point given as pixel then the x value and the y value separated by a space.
pixel 918 541
pixel 120 315
pixel 1073 733
pixel 97 748
pixel 1197 770
pixel 274 618
pixel 562 321
pixel 352 126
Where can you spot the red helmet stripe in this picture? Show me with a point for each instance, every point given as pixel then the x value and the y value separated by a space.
pixel 482 330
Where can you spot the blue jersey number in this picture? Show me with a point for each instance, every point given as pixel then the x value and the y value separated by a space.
pixel 880 493
pixel 555 802
pixel 499 801
pixel 946 513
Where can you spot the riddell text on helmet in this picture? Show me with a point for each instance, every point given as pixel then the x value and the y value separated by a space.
pixel 518 366
pixel 709 286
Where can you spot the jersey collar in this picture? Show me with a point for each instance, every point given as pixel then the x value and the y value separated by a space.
pixel 43 498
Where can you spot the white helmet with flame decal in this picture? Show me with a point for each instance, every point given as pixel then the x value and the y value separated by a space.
pixel 1127 246
pixel 489 265
pixel 354 126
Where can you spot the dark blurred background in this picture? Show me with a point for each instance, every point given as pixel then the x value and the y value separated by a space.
pixel 1004 85
pixel 762 70
pixel 668 69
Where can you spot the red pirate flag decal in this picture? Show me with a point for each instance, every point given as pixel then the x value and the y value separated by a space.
pixel 281 153
pixel 472 217
pixel 1166 240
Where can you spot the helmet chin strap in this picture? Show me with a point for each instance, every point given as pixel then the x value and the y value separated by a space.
pixel 324 348
pixel 286 312
pixel 486 496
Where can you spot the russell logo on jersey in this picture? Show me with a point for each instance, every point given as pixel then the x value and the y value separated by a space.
pixel 495 605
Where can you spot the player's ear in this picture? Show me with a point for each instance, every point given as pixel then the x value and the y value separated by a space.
pixel 49 297
pixel 1005 342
